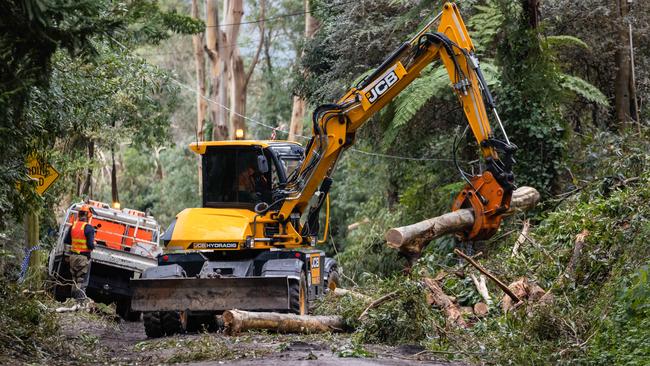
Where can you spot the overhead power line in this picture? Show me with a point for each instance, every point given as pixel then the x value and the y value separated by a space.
pixel 209 100
pixel 283 15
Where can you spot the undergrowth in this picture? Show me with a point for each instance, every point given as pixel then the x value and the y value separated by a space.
pixel 600 315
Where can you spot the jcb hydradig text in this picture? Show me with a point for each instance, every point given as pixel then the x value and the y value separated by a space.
pixel 251 245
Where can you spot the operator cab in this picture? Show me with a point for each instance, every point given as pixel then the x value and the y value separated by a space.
pixel 244 173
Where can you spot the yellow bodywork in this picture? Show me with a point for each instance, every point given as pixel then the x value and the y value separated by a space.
pixel 205 225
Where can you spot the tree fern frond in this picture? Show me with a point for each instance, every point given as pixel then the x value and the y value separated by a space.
pixel 565 41
pixel 485 24
pixel 584 89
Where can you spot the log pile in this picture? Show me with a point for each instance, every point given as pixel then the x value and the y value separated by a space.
pixel 412 239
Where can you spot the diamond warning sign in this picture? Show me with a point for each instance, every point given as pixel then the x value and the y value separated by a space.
pixel 42 172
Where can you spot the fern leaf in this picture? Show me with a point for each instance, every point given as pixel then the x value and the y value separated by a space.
pixel 565 41
pixel 584 89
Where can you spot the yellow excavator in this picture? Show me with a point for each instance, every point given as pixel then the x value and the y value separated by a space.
pixel 252 243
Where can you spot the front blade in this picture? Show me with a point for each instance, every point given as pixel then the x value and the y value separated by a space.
pixel 210 294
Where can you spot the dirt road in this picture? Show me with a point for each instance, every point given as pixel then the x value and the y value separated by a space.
pixel 118 342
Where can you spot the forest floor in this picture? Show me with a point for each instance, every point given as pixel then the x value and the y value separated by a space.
pixel 119 342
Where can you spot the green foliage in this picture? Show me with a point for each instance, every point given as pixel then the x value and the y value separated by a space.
pixel 485 25
pixel 29 329
pixel 623 337
pixel 32 32
pixel 404 318
pixel 565 41
pixel 584 89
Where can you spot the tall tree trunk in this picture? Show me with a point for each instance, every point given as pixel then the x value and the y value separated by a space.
pixel 623 87
pixel 240 78
pixel 85 190
pixel 531 11
pixel 201 103
pixel 235 65
pixel 215 44
pixel 114 194
pixel 299 104
pixel 237 94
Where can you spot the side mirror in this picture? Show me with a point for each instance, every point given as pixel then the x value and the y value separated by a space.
pixel 262 164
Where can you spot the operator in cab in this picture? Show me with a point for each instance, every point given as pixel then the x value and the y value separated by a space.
pixel 81 237
pixel 252 185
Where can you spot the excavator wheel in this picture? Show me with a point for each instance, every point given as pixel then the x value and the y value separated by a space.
pixel 173 322
pixel 333 280
pixel 298 296
pixel 152 324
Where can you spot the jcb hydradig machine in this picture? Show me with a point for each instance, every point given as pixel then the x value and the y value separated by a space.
pixel 251 245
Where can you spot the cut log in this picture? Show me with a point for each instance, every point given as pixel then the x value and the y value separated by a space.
pixel 340 292
pixel 445 302
pixel 527 291
pixel 236 321
pixel 481 309
pixel 411 239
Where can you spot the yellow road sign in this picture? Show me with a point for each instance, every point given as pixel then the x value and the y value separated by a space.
pixel 42 172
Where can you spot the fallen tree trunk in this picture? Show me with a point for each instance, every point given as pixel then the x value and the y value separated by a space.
pixel 412 239
pixel 236 321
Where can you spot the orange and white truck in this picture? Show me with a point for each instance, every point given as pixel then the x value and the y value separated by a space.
pixel 126 243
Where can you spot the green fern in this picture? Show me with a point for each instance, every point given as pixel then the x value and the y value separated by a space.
pixel 434 82
pixel 554 42
pixel 485 24
pixel 584 89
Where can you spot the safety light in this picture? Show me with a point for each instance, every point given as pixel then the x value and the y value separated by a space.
pixel 239 133
pixel 116 205
pixel 165 258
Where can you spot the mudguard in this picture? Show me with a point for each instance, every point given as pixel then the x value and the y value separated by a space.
pixel 288 267
pixel 329 264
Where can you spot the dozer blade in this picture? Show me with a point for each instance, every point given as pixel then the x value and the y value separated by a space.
pixel 210 294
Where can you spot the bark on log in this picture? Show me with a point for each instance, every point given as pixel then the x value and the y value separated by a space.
pixel 412 239
pixel 236 321
pixel 445 302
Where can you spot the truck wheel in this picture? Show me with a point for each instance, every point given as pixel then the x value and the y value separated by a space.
pixel 333 280
pixel 174 322
pixel 298 296
pixel 123 309
pixel 152 324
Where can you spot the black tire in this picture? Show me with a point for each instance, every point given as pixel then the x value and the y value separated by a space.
pixel 123 309
pixel 152 324
pixel 174 322
pixel 298 296
pixel 333 280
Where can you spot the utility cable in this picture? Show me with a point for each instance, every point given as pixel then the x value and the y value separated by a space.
pixel 283 15
pixel 209 100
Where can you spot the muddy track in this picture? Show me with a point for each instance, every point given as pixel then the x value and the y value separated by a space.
pixel 118 342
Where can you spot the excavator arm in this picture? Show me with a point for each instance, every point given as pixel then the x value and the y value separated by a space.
pixel 335 126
